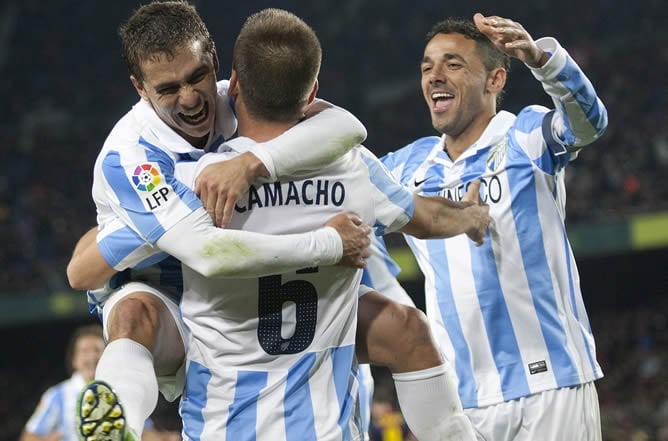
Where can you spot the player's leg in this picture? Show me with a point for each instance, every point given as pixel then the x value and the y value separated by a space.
pixel 398 337
pixel 145 343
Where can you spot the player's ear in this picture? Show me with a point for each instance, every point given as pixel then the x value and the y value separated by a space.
pixel 313 93
pixel 496 80
pixel 233 90
pixel 139 88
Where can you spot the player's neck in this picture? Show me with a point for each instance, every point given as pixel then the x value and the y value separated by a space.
pixel 257 129
pixel 457 144
pixel 261 131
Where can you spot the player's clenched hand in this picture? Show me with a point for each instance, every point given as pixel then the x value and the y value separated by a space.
pixel 355 236
pixel 511 37
pixel 477 213
pixel 220 186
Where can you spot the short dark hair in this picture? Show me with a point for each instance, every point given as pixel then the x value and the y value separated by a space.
pixel 490 55
pixel 91 330
pixel 277 60
pixel 160 27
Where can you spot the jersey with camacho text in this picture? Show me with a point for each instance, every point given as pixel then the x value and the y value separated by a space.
pixel 272 358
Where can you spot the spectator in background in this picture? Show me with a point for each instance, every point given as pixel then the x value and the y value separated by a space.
pixel 54 417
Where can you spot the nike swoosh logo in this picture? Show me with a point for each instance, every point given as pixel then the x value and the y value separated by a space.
pixel 418 183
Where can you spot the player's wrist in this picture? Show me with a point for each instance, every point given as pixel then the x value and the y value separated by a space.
pixel 331 245
pixel 254 166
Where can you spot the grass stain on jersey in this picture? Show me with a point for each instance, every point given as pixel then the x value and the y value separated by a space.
pixel 341 146
pixel 229 254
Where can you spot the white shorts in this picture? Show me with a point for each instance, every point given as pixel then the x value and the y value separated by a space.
pixel 566 414
pixel 170 386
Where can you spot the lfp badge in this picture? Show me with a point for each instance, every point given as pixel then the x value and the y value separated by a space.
pixel 146 177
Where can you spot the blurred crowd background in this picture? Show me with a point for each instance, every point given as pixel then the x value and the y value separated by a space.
pixel 64 85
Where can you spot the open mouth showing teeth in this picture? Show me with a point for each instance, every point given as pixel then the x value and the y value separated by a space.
pixel 438 96
pixel 440 99
pixel 197 117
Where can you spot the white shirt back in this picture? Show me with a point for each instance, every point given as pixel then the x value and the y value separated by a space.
pixel 272 358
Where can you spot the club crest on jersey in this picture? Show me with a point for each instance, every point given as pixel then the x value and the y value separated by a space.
pixel 147 178
pixel 496 157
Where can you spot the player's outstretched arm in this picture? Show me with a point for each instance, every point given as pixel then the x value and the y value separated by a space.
pixel 229 253
pixel 327 134
pixel 87 268
pixel 217 252
pixel 437 217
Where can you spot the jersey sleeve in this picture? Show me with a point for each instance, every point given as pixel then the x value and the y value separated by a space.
pixel 393 203
pixel 143 191
pixel 122 247
pixel 552 138
pixel 217 252
pixel 47 413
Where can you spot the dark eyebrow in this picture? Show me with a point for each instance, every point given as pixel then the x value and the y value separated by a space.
pixel 446 56
pixel 198 71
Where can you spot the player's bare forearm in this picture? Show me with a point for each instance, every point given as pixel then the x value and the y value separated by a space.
pixel 87 269
pixel 436 217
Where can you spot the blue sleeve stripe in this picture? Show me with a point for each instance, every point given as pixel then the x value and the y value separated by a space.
pixel 119 244
pixel 383 181
pixel 152 260
pixel 147 223
pixel 411 155
pixel 584 93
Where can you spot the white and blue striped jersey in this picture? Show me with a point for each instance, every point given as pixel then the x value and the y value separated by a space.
pixel 134 189
pixel 272 358
pixel 57 410
pixel 140 200
pixel 381 273
pixel 509 315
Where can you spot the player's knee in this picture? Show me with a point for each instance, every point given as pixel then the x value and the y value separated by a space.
pixel 136 318
pixel 414 328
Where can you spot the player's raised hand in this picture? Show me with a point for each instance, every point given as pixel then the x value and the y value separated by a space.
pixel 511 37
pixel 220 185
pixel 478 213
pixel 355 237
